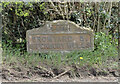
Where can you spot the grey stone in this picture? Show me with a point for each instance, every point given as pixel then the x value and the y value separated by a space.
pixel 60 36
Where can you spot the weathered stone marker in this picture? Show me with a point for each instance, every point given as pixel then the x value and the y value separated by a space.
pixel 59 35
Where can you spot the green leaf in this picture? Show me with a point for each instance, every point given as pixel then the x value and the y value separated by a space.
pixel 26 14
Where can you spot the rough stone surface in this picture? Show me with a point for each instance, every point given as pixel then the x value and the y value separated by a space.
pixel 59 35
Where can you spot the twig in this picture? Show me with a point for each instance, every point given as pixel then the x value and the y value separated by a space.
pixel 50 72
pixel 62 12
pixel 109 15
pixel 105 18
pixel 55 8
pixel 62 73
pixel 98 26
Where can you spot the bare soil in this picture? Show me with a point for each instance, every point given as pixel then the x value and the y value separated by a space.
pixel 40 74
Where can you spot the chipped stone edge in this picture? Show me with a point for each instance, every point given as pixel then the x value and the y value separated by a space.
pixel 56 21
pixel 91 32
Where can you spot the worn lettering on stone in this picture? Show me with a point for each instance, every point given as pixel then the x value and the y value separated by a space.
pixel 60 35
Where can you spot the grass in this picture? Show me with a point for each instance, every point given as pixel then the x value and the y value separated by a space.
pixel 11 55
pixel 105 55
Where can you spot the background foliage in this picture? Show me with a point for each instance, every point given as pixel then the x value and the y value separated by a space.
pixel 18 17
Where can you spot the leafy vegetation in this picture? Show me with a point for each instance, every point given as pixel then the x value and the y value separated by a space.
pixel 18 17
pixel 104 50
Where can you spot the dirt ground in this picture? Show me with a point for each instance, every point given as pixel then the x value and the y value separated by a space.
pixel 25 75
pixel 66 79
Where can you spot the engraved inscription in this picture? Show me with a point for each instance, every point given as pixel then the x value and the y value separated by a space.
pixel 59 35
pixel 59 42
pixel 58 27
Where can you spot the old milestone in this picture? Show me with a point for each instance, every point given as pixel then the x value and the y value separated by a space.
pixel 59 35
